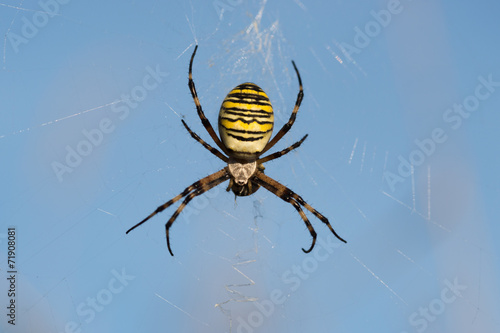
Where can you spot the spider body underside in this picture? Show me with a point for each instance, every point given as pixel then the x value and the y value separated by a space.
pixel 246 121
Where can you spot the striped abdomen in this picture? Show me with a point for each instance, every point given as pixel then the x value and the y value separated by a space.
pixel 246 121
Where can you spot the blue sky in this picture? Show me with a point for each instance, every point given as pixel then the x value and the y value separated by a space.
pixel 400 107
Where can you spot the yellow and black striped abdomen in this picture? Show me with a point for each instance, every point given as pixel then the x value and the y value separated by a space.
pixel 246 121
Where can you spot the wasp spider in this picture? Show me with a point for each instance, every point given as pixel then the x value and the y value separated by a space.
pixel 246 122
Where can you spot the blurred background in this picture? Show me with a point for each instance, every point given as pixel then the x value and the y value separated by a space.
pixel 401 107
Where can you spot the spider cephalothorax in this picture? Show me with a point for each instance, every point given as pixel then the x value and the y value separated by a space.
pixel 246 121
pixel 241 173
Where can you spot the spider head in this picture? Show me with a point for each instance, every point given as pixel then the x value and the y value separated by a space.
pixel 241 173
pixel 243 190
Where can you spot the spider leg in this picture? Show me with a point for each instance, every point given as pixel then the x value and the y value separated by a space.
pixel 282 152
pixel 203 187
pixel 276 190
pixel 213 150
pixel 204 120
pixel 204 182
pixel 288 195
pixel 308 224
pixel 290 122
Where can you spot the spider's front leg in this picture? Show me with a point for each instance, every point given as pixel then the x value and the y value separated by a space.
pixel 197 188
pixel 296 201
pixel 204 185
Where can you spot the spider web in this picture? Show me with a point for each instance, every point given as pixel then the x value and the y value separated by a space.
pixel 98 144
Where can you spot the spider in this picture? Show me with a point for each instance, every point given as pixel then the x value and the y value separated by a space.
pixel 246 122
